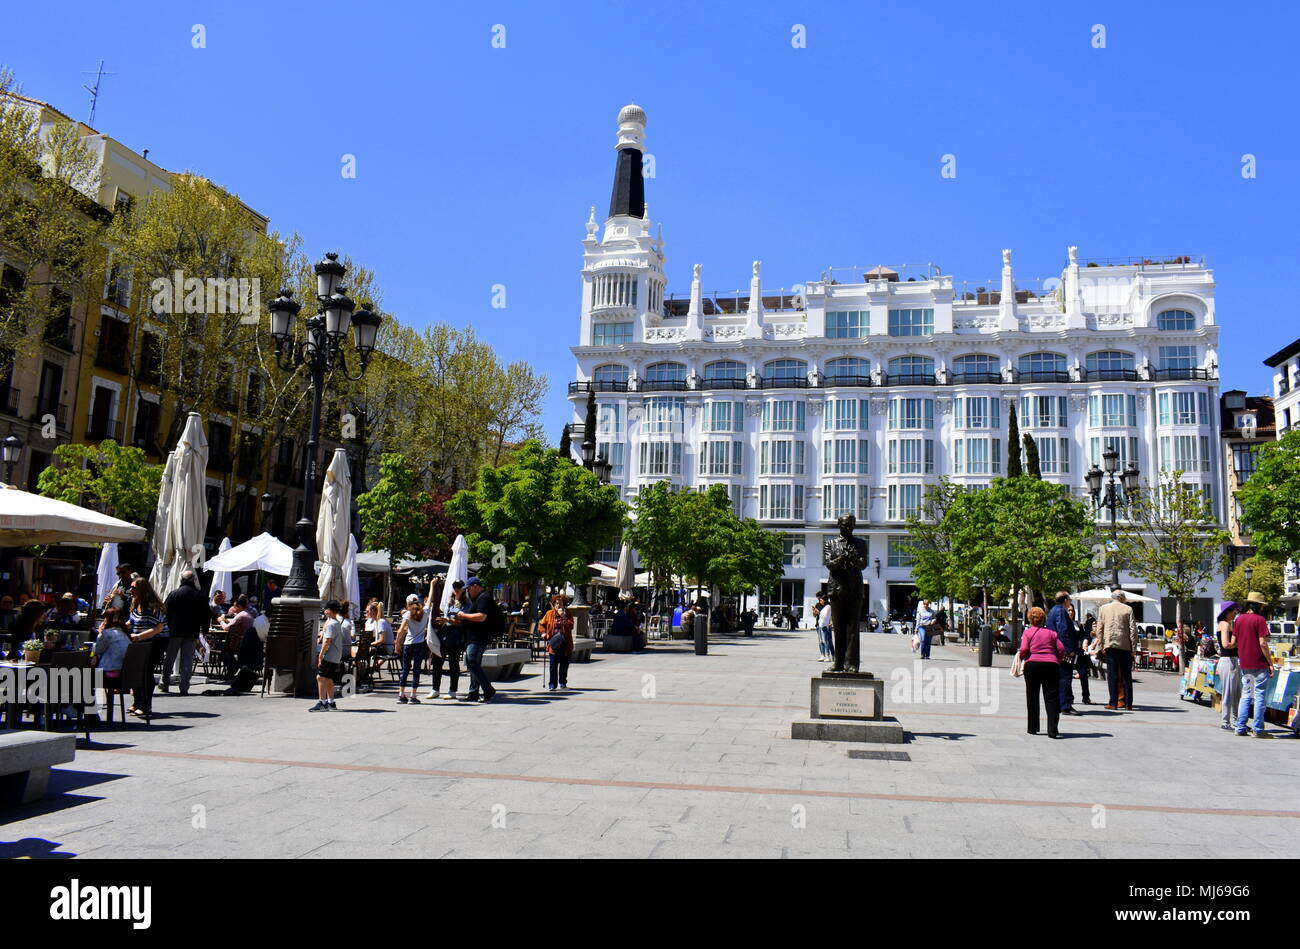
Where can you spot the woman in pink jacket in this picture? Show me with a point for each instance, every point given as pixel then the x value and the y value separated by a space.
pixel 1042 653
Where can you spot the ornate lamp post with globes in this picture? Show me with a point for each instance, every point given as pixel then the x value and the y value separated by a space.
pixel 1111 498
pixel 319 350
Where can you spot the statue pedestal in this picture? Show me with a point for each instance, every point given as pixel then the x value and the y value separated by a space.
pixel 848 706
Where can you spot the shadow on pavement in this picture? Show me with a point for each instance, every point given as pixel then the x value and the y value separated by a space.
pixel 32 848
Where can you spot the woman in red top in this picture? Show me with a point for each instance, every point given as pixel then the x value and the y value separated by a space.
pixel 558 620
pixel 1042 652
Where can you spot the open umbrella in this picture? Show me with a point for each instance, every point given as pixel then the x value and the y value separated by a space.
pixel 29 519
pixel 1103 595
pixel 263 552
pixel 106 572
pixel 221 579
pixel 187 513
pixel 458 569
pixel 332 528
pixel 626 570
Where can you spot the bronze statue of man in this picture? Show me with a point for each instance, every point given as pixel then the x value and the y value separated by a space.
pixel 845 558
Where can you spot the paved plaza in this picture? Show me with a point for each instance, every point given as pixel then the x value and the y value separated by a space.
pixel 669 754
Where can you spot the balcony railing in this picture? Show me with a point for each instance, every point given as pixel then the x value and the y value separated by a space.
pixel 727 383
pixel 909 379
pixel 663 385
pixel 1044 375
pixel 9 401
pixel 99 429
pixel 1111 375
pixel 785 382
pixel 1175 375
pixel 58 409
pixel 597 387
pixel 976 378
pixel 847 379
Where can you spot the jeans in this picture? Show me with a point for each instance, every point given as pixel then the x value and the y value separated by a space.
pixel 142 691
pixel 453 669
pixel 184 649
pixel 825 641
pixel 1254 684
pixel 474 663
pixel 412 659
pixel 1228 672
pixel 924 633
pixel 1065 689
pixel 1045 676
pixel 1119 670
pixel 560 669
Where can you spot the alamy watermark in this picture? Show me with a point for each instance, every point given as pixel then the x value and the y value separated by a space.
pixel 181 294
pixel 930 685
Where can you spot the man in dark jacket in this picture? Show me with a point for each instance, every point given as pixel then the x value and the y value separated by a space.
pixel 187 617
pixel 484 622
pixel 1059 620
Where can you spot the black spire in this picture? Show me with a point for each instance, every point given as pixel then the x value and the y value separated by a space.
pixel 628 197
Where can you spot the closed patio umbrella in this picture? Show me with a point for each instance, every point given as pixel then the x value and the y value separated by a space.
pixel 626 570
pixel 221 579
pixel 105 572
pixel 332 528
pixel 158 542
pixel 458 569
pixel 187 513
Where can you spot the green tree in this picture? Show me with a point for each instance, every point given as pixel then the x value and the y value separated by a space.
pixel 566 444
pixel 1270 500
pixel 1013 443
pixel 115 479
pixel 1266 577
pixel 387 521
pixel 936 571
pixel 537 518
pixel 1031 456
pixel 756 560
pixel 1173 539
pixel 651 530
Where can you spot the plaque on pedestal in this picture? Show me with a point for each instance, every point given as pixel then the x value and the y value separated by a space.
pixel 848 706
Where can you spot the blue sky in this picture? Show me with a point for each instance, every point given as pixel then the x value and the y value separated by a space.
pixel 477 166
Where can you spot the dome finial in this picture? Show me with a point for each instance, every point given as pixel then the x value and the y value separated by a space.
pixel 632 114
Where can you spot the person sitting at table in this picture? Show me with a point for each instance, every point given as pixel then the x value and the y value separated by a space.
pixel 381 635
pixel 110 648
pixel 236 627
pixel 218 606
pixel 67 620
pixel 29 625
pixel 8 613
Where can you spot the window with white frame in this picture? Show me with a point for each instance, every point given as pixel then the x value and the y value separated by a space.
pixel 1112 410
pixel 611 334
pixel 977 412
pixel 911 413
pixel 911 367
pixel 1177 357
pixel 1175 321
pixel 1185 453
pixel 781 456
pixel 847 324
pixel 847 415
pixel 846 367
pixel 724 416
pixel 1109 360
pixel 904 501
pixel 910 456
pixel 615 452
pixel 660 459
pixel 783 415
pixel 899 556
pixel 917 321
pixel 664 415
pixel 610 374
pixel 609 420
pixel 845 455
pixel 785 369
pixel 977 364
pixel 722 457
pixel 1183 408
pixel 780 502
pixel 977 456
pixel 841 499
pixel 724 369
pixel 1042 362
pixel 665 372
pixel 1043 411
pixel 1125 445
pixel 1053 455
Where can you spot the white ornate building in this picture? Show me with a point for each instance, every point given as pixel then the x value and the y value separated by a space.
pixel 854 393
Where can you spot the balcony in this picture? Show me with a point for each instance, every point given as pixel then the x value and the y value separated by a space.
pixel 1044 375
pixel 58 333
pixel 1111 375
pixel 847 379
pixel 909 379
pixel 785 382
pixel 47 407
pixel 1178 375
pixel 597 387
pixel 727 383
pixel 663 385
pixel 9 401
pixel 976 378
pixel 99 429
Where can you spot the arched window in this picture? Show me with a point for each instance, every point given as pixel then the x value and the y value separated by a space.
pixel 1176 320
pixel 785 369
pixel 1110 364
pixel 724 369
pixel 911 371
pixel 1043 367
pixel 611 373
pixel 665 372
pixel 847 368
pixel 977 367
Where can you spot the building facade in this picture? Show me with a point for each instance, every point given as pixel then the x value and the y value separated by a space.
pixel 1285 364
pixel 1245 422
pixel 855 391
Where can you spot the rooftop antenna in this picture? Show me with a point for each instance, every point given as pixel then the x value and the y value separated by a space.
pixel 94 90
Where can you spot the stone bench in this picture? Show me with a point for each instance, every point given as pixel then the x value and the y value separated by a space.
pixel 25 761
pixel 505 662
pixel 582 650
pixel 618 642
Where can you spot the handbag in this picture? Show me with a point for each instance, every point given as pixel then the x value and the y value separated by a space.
pixel 1017 666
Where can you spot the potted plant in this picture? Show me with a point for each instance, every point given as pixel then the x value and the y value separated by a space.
pixel 32 650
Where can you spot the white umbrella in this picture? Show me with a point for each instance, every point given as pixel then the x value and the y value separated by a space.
pixel 352 576
pixel 626 570
pixel 263 552
pixel 106 573
pixel 332 531
pixel 32 519
pixel 458 569
pixel 221 578
pixel 1103 595
pixel 376 561
pixel 187 513
pixel 158 573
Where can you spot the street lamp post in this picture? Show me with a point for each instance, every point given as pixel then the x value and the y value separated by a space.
pixel 1111 498
pixel 1250 572
pixel 268 505
pixel 11 449
pixel 319 351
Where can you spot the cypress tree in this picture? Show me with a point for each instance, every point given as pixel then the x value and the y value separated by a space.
pixel 1031 457
pixel 1013 444
pixel 566 446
